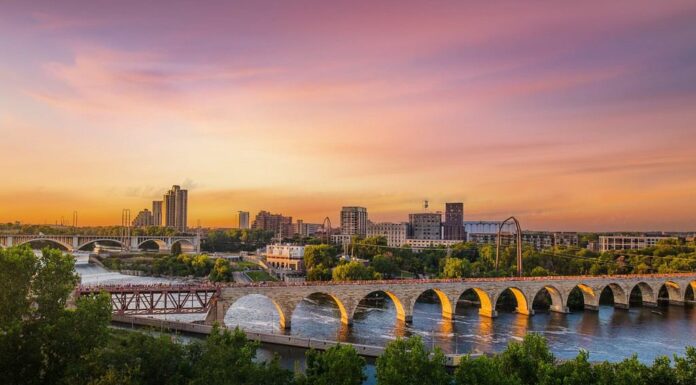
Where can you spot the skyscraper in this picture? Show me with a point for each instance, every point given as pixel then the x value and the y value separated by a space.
pixel 354 220
pixel 176 208
pixel 157 213
pixel 143 219
pixel 243 219
pixel 454 221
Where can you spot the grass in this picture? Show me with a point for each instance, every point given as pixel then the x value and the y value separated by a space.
pixel 260 275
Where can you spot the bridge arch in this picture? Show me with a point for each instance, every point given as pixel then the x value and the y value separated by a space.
pixel 186 245
pixel 161 245
pixel 618 295
pixel 401 314
pixel 446 305
pixel 520 298
pixel 346 316
pixel 647 294
pixel 233 307
pixel 486 308
pixel 674 292
pixel 67 247
pixel 91 241
pixel 557 304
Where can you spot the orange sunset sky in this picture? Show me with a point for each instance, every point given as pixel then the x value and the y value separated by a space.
pixel 570 115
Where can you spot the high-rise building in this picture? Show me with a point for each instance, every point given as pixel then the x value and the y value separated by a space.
pixel 176 208
pixel 279 224
pixel 157 213
pixel 354 220
pixel 425 225
pixel 143 219
pixel 454 222
pixel 243 219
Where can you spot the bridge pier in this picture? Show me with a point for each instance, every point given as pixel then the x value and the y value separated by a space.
pixel 676 302
pixel 216 313
pixel 490 313
pixel 618 305
pixel 649 304
pixel 591 307
pixel 559 309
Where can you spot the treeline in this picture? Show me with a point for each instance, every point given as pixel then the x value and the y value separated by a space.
pixel 182 265
pixel 474 260
pixel 236 240
pixel 42 342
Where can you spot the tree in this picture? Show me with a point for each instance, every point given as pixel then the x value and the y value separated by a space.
pixel 526 359
pixel 227 357
pixel 385 265
pixel 406 362
pixel 539 272
pixel 339 365
pixel 456 268
pixel 353 271
pixel 482 370
pixel 315 255
pixel 42 342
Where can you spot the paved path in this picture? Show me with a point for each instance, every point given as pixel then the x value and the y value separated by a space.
pixel 240 277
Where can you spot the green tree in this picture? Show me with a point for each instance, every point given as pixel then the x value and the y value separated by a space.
pixel 406 362
pixel 385 265
pixel 42 342
pixel 482 370
pixel 353 271
pixel 339 365
pixel 315 255
pixel 526 359
pixel 456 268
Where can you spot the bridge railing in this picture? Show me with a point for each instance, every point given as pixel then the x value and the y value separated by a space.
pixel 216 286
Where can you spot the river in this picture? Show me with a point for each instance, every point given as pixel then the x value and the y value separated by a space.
pixel 608 334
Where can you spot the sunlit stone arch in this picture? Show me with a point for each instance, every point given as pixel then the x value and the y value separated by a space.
pixel 402 312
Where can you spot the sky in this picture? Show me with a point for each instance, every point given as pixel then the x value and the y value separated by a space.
pixel 568 115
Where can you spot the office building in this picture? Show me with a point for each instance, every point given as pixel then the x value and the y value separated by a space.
pixel 143 219
pixel 395 233
pixel 157 213
pixel 426 226
pixel 454 222
pixel 354 221
pixel 176 208
pixel 243 219
pixel 306 229
pixel 628 242
pixel 280 225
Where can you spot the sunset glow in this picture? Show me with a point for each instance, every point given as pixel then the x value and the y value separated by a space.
pixel 567 117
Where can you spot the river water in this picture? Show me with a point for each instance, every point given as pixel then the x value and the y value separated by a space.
pixel 608 334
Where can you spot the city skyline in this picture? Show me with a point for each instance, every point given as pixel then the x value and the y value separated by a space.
pixel 566 117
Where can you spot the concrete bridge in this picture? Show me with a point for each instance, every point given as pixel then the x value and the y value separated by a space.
pixel 132 243
pixel 404 293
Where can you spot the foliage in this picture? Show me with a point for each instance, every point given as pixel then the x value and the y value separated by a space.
pixel 40 340
pixel 407 362
pixel 315 255
pixel 354 271
pixel 456 268
pixel 339 365
pixel 236 240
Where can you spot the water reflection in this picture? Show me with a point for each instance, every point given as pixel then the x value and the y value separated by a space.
pixel 609 333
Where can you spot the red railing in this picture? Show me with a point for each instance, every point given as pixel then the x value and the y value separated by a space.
pixel 216 286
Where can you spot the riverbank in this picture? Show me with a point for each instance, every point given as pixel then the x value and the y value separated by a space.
pixel 370 351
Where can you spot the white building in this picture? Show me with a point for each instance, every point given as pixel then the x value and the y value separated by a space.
pixel 420 244
pixel 628 242
pixel 285 256
pixel 394 232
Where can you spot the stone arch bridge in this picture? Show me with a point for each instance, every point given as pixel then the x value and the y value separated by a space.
pixel 217 300
pixel 131 243
pixel 404 293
